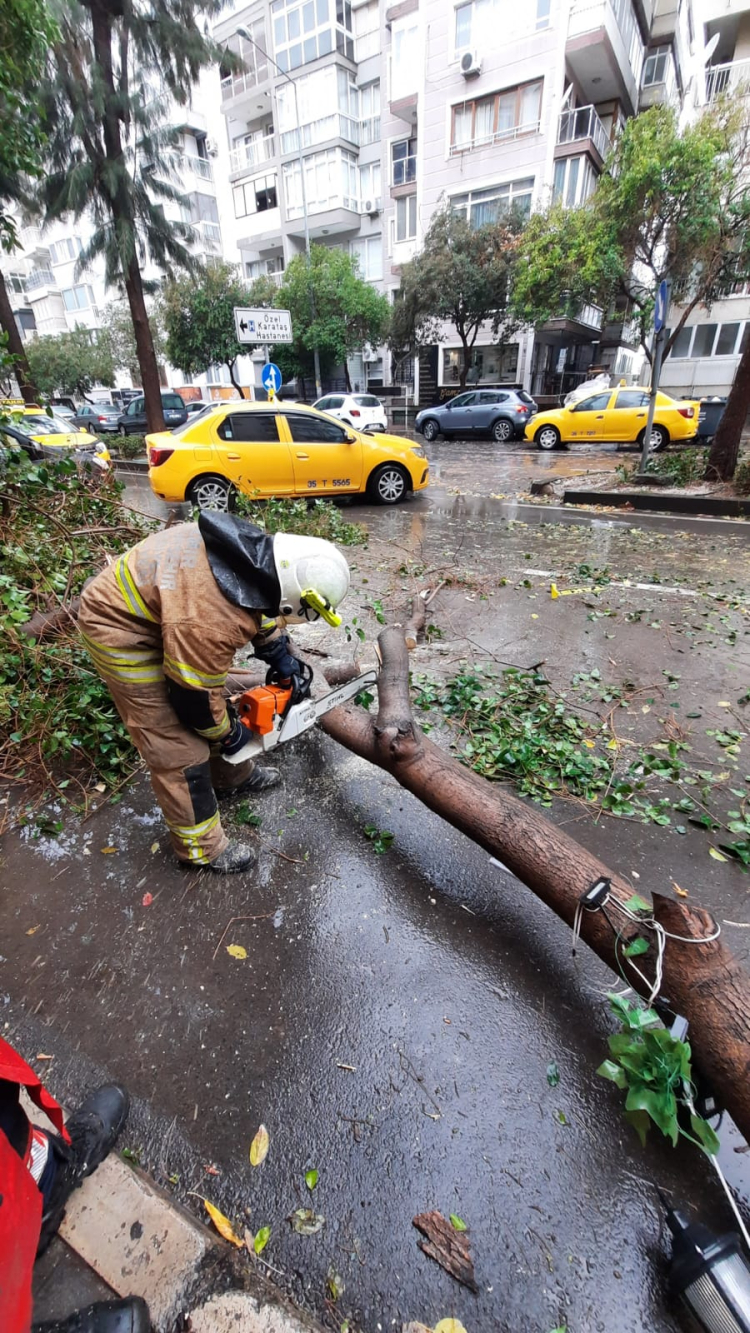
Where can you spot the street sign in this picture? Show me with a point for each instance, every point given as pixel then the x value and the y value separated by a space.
pixel 662 306
pixel 270 377
pixel 262 326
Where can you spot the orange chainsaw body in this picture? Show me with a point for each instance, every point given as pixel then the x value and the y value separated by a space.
pixel 258 708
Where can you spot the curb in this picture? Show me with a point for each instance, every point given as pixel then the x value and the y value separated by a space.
pixel 143 1244
pixel 687 505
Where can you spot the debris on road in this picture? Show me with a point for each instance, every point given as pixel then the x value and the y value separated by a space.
pixel 448 1247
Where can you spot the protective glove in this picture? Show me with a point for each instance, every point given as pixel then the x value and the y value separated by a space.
pixel 281 661
pixel 238 736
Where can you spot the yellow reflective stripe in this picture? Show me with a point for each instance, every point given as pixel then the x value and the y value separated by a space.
pixel 130 657
pixel 191 835
pixel 130 592
pixel 267 622
pixel 136 675
pixel 192 676
pixel 215 733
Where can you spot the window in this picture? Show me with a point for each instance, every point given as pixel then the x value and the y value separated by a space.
pixel 703 342
pixel 681 345
pixel 303 30
pixel 61 252
pixel 405 57
pixel 727 339
pixel 655 68
pixel 249 428
pixel 331 181
pixel 314 430
pixel 366 400
pixel 500 116
pixel 369 112
pixel 16 282
pixel 598 403
pixel 255 196
pixel 406 218
pixel 489 397
pixel 488 364
pixel 482 207
pixel 328 107
pixel 464 400
pixel 369 182
pixel 367 31
pixel 631 398
pixel 137 406
pixel 478 21
pixel 404 162
pixel 78 298
pixel 574 180
pixel 369 253
pixel 542 14
pixel 264 268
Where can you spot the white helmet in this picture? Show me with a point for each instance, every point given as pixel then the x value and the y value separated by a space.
pixel 313 575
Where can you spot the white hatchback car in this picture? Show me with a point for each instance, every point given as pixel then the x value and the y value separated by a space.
pixel 363 411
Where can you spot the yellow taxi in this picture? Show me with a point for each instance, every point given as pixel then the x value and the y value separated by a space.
pixel 52 435
pixel 616 415
pixel 279 449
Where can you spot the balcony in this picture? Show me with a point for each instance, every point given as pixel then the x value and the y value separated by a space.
pixel 605 50
pixel 190 163
pixel 727 79
pixel 253 154
pixel 336 126
pixel 499 136
pixel 207 236
pixel 576 322
pixel 39 278
pixel 581 126
pixel 256 74
pixel 659 79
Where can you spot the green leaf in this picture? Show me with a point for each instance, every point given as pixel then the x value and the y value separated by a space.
pixel 638 904
pixel 641 1123
pixel 613 1072
pixel 703 1131
pixel 311 1179
pixel 553 1074
pixel 717 856
pixel 636 947
pixel 457 1223
pixel 261 1240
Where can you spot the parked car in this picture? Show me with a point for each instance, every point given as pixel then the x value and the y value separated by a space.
pixel 616 415
pixel 503 414
pixel 64 413
pixel 133 420
pixel 42 436
pixel 98 417
pixel 363 411
pixel 279 449
pixel 195 406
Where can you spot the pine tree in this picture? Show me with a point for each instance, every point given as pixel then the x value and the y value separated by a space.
pixel 115 67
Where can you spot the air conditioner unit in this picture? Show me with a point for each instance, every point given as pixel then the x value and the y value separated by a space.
pixel 372 206
pixel 471 64
pixel 211 148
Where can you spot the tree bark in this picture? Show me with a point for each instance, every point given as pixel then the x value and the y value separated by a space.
pixel 231 365
pixel 16 347
pixel 705 983
pixel 725 446
pixel 120 204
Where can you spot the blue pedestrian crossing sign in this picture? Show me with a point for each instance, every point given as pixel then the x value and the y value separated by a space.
pixel 662 306
pixel 271 378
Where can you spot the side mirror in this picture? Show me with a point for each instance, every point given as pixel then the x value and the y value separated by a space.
pixel 350 437
pixel 449 404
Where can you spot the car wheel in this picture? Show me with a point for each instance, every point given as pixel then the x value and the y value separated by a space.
pixel 659 439
pixel 502 431
pixel 388 484
pixel 430 430
pixel 211 492
pixel 122 430
pixel 548 437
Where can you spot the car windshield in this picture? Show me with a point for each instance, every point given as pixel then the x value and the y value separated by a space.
pixel 367 400
pixel 43 425
pixel 172 402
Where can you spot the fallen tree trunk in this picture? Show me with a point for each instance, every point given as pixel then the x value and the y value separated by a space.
pixel 702 982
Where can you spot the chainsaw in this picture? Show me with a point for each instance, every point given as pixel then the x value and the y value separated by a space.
pixel 271 713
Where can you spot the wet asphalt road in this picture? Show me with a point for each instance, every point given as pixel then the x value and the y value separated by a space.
pixel 394 1019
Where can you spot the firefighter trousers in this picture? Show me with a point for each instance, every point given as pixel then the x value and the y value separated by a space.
pixel 184 774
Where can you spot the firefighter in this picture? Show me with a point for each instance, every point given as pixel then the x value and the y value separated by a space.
pixel 162 625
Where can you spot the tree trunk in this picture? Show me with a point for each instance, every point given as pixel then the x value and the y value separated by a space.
pixel 120 204
pixel 725 446
pixel 16 347
pixel 464 368
pixel 704 984
pixel 231 365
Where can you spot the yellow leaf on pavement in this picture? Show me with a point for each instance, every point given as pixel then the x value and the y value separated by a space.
pixel 223 1225
pixel 236 951
pixel 154 847
pixel 259 1147
pixel 108 850
pixel 716 854
pixel 449 1326
pixel 681 893
pixel 724 703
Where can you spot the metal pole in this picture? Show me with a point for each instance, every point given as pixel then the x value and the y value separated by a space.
pixel 659 341
pixel 245 35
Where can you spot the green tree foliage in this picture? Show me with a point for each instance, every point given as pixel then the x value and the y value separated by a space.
pixel 198 316
pixel 26 29
pixel 117 332
pixel 70 363
pixel 459 277
pixel 348 312
pixel 566 257
pixel 114 66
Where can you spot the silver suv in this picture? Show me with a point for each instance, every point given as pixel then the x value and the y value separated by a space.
pixel 503 414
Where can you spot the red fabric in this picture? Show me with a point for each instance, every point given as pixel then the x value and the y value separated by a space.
pixel 20 1202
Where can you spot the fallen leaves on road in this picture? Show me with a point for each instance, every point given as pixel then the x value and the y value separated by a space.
pixel 311 1179
pixel 107 851
pixel 457 1222
pixel 446 1246
pixel 154 848
pixel 717 856
pixel 681 893
pixel 261 1240
pixel 306 1222
pixel 335 1286
pixel 449 1326
pixel 236 951
pixel 223 1225
pixel 147 899
pixel 33 930
pixel 259 1147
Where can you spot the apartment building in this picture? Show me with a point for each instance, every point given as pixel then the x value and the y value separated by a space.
pixel 707 351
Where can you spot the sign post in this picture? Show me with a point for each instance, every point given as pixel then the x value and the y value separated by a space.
pixel 661 313
pixel 261 325
pixel 271 379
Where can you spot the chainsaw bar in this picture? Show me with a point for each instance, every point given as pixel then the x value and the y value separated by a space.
pixel 301 717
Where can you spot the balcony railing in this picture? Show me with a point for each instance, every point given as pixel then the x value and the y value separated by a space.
pixel 253 154
pixel 590 315
pixel 40 277
pixel 726 78
pixel 199 166
pixel 336 126
pixel 583 123
pixel 207 234
pixel 256 73
pixel 499 136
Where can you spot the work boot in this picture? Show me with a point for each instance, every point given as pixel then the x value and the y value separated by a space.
pixel 128 1316
pixel 235 857
pixel 259 780
pixel 93 1129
